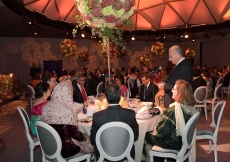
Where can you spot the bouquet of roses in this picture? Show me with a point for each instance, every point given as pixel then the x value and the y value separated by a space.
pixel 158 48
pixel 189 53
pixel 68 48
pixel 105 17
pixel 145 60
pixel 83 56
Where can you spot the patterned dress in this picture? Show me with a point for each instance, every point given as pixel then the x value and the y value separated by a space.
pixel 165 135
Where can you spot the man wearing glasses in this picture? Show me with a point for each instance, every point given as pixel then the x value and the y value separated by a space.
pixel 182 70
pixel 81 90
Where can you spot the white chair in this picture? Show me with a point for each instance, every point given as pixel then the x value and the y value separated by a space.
pixel 220 81
pixel 32 142
pixel 51 145
pixel 187 141
pixel 200 96
pixel 31 93
pixel 115 146
pixel 224 89
pixel 215 99
pixel 211 132
pixel 99 89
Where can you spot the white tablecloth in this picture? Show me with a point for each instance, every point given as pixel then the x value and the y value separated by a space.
pixel 145 125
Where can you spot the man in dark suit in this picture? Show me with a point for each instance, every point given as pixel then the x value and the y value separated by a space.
pixel 182 70
pixel 101 78
pixel 197 80
pixel 113 113
pixel 148 90
pixel 81 90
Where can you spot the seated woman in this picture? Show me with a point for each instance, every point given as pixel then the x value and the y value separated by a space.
pixel 42 92
pixel 168 133
pixel 61 113
pixel 119 80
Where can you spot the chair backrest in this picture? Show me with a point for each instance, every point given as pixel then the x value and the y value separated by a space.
pixel 31 91
pixel 200 94
pixel 50 141
pixel 25 119
pixel 217 91
pixel 217 115
pixel 99 88
pixel 188 135
pixel 220 81
pixel 112 145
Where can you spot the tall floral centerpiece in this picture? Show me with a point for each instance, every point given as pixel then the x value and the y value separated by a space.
pixel 68 48
pixel 106 19
pixel 158 48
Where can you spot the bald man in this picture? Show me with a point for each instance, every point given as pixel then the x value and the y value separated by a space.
pixel 182 70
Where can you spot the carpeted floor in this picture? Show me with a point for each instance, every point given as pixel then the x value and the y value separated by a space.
pixel 17 150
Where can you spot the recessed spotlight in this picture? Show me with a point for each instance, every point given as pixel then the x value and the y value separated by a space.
pixel 133 38
pixel 186 36
pixel 82 35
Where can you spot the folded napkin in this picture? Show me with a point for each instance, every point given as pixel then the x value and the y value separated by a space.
pixel 91 98
pixel 82 116
pixel 91 110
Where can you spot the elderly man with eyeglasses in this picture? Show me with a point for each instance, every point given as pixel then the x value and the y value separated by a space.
pixel 81 90
pixel 182 70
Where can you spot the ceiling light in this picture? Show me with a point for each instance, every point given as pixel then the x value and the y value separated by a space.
pixel 186 35
pixel 83 35
pixel 133 38
pixel 193 40
pixel 35 33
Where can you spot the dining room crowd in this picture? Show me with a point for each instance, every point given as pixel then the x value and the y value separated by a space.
pixel 58 100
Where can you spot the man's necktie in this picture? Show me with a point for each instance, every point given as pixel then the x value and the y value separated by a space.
pixel 144 92
pixel 83 93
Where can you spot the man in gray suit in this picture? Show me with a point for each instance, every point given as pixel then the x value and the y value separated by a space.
pixel 182 70
pixel 113 113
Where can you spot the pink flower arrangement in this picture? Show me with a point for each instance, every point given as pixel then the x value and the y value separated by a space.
pixel 158 48
pixel 68 48
pixel 189 53
pixel 105 18
pixel 145 60
pixel 109 11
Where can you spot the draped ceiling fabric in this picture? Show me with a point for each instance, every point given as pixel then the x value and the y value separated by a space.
pixel 150 14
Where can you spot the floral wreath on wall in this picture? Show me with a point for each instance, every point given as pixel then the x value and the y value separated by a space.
pixel 158 48
pixel 145 60
pixel 84 56
pixel 122 52
pixel 68 48
pixel 189 53
pixel 112 50
pixel 105 17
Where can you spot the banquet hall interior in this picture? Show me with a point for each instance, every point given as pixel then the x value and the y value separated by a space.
pixel 33 32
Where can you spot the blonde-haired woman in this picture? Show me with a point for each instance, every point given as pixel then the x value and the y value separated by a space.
pixel 168 133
